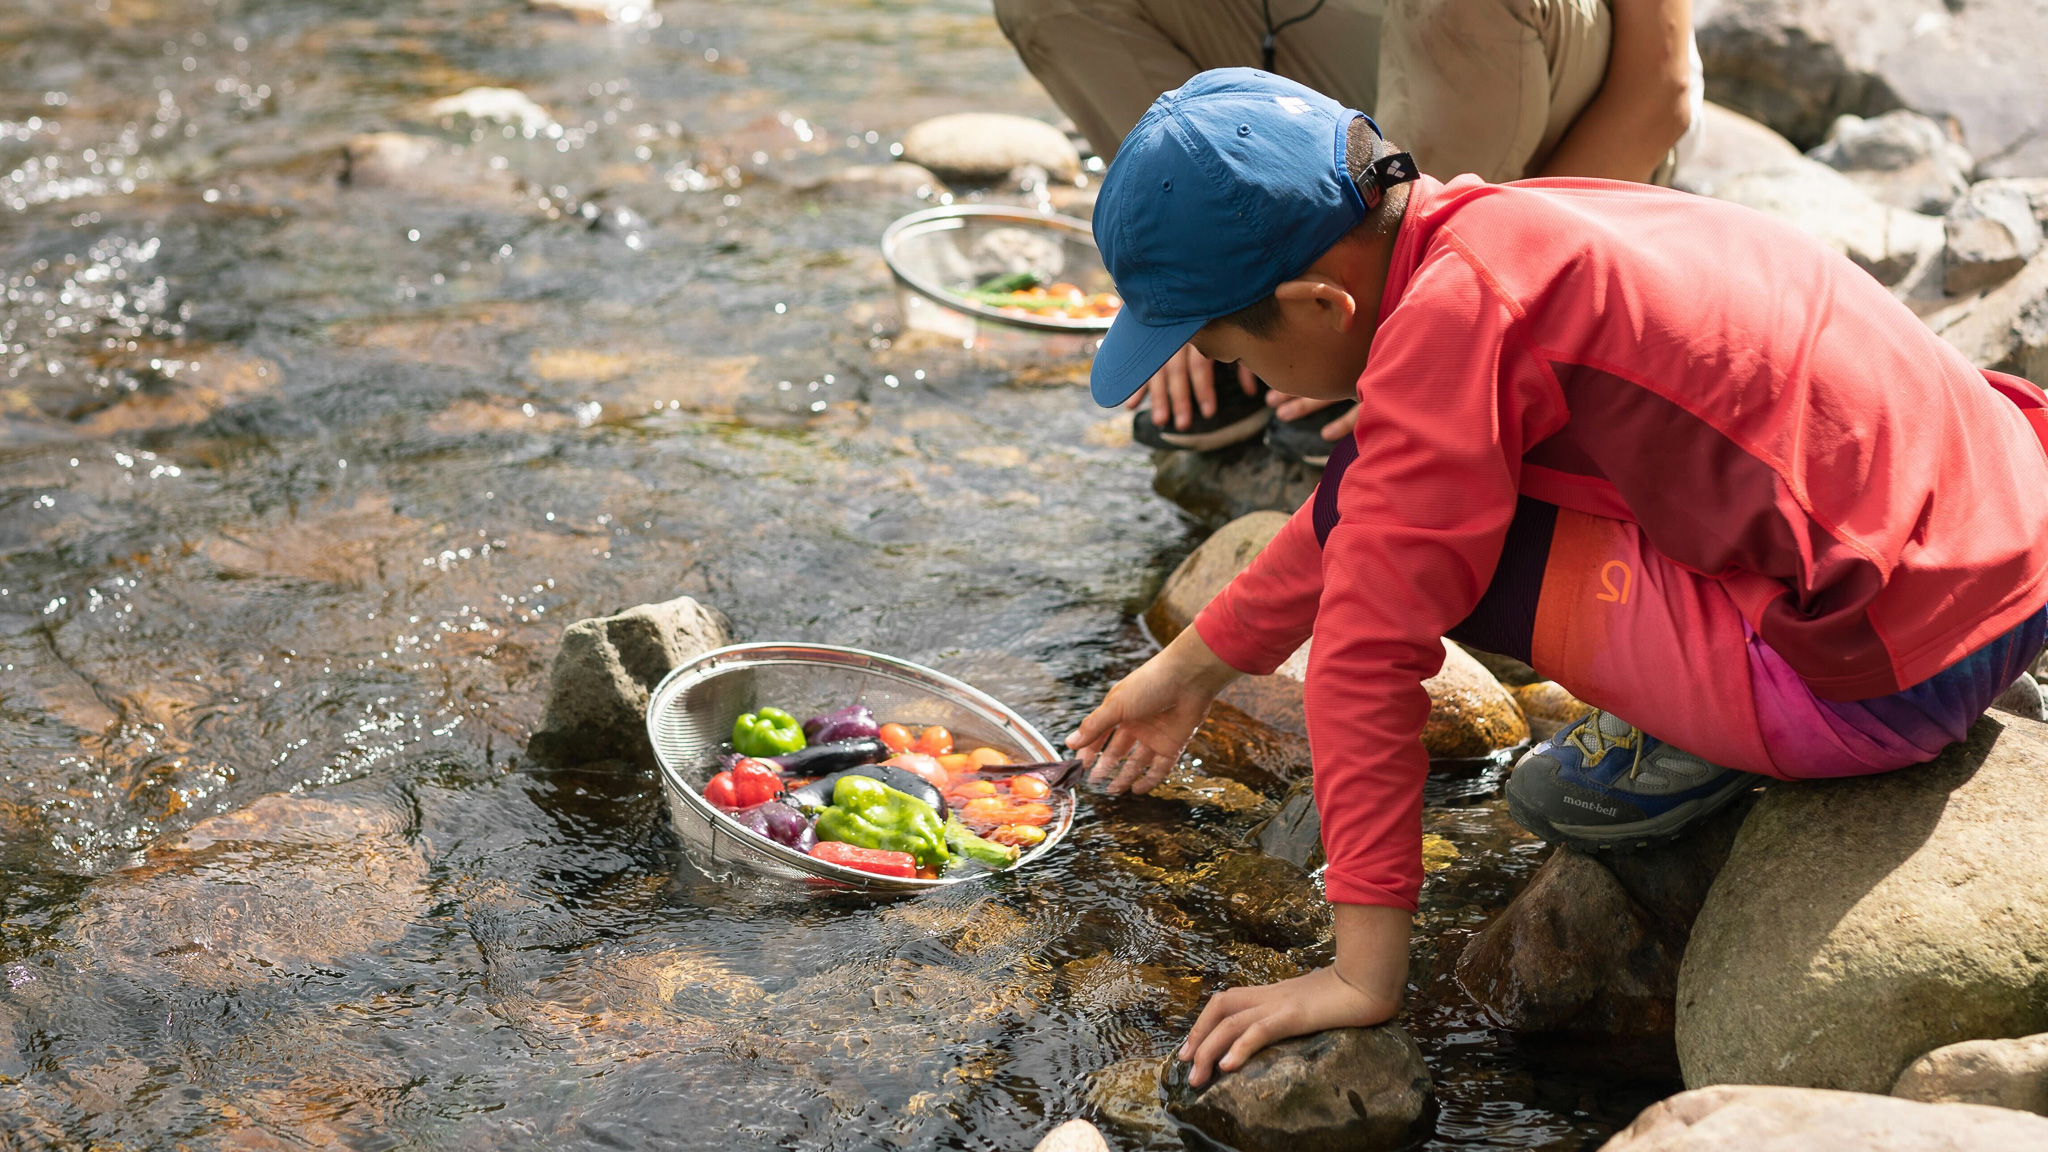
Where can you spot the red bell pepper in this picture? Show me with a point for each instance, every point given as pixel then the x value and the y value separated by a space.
pixel 876 860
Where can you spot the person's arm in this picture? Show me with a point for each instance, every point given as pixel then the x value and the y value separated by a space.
pixel 1642 107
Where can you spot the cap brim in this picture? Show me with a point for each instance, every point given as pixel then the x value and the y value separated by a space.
pixel 1131 353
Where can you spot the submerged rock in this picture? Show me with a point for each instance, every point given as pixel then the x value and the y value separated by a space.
pixel 1235 744
pixel 1860 923
pixel 1902 158
pixel 1269 900
pixel 2002 1073
pixel 1991 234
pixel 1131 1094
pixel 1592 947
pixel 1355 1089
pixel 282 887
pixel 1295 832
pixel 604 669
pixel 1745 1118
pixel 1205 572
pixel 984 147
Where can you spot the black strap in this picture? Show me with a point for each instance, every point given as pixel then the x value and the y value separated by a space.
pixel 1384 175
pixel 1272 29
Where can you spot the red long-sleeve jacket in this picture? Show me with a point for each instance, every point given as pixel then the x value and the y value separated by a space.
pixel 1761 408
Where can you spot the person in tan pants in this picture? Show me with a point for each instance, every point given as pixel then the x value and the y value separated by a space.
pixel 1505 89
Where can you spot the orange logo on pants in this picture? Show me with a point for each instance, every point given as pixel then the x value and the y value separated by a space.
pixel 1628 579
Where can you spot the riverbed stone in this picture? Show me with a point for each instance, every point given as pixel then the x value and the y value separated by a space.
pixel 1748 1118
pixel 1798 64
pixel 1548 707
pixel 1220 486
pixel 1355 1089
pixel 1731 145
pixel 983 147
pixel 2006 328
pixel 1076 1135
pixel 1991 234
pixel 1889 243
pixel 1470 714
pixel 1902 158
pixel 1860 923
pixel 604 669
pixel 898 179
pixel 423 166
pixel 1591 948
pixel 1294 832
pixel 1269 900
pixel 1213 564
pixel 283 887
pixel 2002 1073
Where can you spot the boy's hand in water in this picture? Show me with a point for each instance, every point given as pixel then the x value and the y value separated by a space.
pixel 1184 383
pixel 1361 989
pixel 1135 735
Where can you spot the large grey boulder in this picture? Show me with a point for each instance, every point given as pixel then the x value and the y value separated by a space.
pixel 1354 1089
pixel 2006 328
pixel 1991 233
pixel 2003 1073
pixel 1731 145
pixel 598 685
pixel 1902 158
pixel 1889 243
pixel 1743 1118
pixel 1798 64
pixel 1860 923
pixel 984 147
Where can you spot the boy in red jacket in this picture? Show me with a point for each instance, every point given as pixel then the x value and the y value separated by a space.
pixel 1700 470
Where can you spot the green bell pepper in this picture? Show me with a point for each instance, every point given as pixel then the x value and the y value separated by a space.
pixel 768 732
pixel 964 842
pixel 869 814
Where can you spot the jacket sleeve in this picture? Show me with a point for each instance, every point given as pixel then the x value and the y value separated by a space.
pixel 1421 518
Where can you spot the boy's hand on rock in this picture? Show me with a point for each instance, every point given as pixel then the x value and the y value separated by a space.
pixel 1187 381
pixel 1134 737
pixel 1363 988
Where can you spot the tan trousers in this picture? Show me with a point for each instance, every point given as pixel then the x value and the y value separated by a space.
pixel 1485 86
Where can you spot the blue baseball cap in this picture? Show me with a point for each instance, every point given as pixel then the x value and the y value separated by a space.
pixel 1229 186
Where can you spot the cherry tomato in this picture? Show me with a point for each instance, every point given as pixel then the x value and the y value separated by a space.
pixel 1018 835
pixel 754 782
pixel 971 790
pixel 895 737
pixel 957 763
pixel 1029 787
pixel 934 741
pixel 719 791
pixel 919 764
pixel 988 756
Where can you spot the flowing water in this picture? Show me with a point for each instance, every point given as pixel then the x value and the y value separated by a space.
pixel 300 480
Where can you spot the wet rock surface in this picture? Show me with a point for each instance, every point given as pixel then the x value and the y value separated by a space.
pixel 1861 923
pixel 604 669
pixel 1208 569
pixel 2000 1073
pixel 1749 1118
pixel 1221 486
pixel 1548 707
pixel 983 147
pixel 1359 1089
pixel 1902 158
pixel 1470 714
pixel 1269 900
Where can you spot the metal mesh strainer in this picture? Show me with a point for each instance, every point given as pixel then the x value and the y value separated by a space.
pixel 690 715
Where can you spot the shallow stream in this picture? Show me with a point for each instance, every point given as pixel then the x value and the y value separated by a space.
pixel 300 480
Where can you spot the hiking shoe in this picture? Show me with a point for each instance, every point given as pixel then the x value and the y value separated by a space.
pixel 1238 418
pixel 1303 439
pixel 1601 782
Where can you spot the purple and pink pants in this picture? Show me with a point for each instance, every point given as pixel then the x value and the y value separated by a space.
pixel 1590 604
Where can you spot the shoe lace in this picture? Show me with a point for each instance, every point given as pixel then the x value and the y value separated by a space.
pixel 1593 741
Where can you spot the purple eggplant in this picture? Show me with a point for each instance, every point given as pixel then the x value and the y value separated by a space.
pixel 819 759
pixel 818 793
pixel 852 722
pixel 778 822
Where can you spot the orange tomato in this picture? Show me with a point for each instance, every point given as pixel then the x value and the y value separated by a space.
pixel 934 741
pixel 986 756
pixel 971 790
pixel 895 737
pixel 1018 835
pixel 1028 788
pixel 927 767
pixel 1003 810
pixel 957 763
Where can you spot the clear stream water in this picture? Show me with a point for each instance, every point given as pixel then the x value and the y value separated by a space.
pixel 299 482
